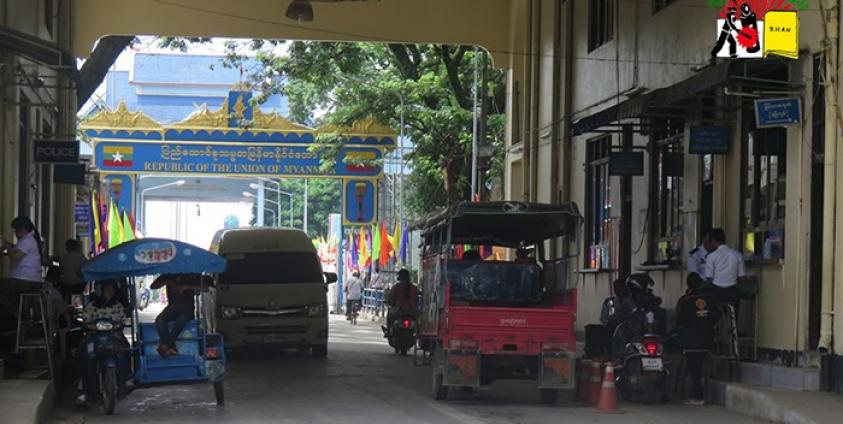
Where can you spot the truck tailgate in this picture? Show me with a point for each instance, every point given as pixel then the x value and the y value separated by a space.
pixel 511 330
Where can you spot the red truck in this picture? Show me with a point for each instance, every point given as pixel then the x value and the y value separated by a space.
pixel 488 319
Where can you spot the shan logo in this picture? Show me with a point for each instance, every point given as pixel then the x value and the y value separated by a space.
pixel 757 28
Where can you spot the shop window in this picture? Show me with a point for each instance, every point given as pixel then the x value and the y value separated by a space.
pixel 601 22
pixel 764 160
pixel 661 4
pixel 666 179
pixel 598 211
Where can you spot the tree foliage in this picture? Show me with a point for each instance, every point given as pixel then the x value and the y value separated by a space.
pixel 431 85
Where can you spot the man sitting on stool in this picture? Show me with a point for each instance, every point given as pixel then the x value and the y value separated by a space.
pixel 724 267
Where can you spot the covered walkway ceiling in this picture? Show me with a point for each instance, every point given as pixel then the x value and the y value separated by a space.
pixel 472 22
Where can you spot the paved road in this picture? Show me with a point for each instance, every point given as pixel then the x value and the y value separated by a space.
pixel 361 381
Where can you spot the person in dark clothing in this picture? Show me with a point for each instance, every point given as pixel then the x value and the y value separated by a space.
pixel 614 311
pixel 181 291
pixel 696 316
pixel 402 299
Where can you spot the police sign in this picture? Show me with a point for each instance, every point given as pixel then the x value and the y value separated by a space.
pixel 56 151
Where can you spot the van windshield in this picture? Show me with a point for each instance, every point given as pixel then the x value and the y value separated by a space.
pixel 272 268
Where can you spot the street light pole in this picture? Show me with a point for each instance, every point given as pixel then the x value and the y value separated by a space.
pixel 143 202
pixel 277 217
pixel 474 131
pixel 304 220
pixel 254 186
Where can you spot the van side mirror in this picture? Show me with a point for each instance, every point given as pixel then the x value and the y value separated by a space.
pixel 330 277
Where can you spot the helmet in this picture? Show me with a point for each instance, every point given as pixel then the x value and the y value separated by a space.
pixel 639 283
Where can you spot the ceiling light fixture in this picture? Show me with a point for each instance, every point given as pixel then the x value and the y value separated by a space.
pixel 300 10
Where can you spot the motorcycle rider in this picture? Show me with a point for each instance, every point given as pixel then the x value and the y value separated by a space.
pixel 108 302
pixel 402 299
pixel 353 293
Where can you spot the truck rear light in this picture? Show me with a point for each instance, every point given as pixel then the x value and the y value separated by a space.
pixel 463 344
pixel 554 346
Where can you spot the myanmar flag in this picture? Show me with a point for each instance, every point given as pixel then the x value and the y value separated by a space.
pixel 360 162
pixel 117 156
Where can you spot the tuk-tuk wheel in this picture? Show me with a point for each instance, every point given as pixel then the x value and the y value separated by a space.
pixel 549 396
pixel 219 392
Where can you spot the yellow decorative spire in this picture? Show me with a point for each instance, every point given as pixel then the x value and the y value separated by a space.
pixel 120 118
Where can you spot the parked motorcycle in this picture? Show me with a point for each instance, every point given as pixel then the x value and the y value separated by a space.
pixel 143 298
pixel 402 335
pixel 641 374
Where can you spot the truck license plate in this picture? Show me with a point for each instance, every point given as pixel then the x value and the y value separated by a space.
pixel 651 364
pixel 273 338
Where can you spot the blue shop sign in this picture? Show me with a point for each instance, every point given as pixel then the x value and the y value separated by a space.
pixel 777 112
pixel 709 140
pixel 232 159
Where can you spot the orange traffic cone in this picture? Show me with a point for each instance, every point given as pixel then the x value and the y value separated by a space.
pixel 582 380
pixel 608 403
pixel 594 383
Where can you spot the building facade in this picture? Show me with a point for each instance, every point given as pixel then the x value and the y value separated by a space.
pixel 38 102
pixel 604 82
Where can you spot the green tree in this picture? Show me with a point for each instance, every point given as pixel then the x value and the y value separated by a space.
pixel 352 81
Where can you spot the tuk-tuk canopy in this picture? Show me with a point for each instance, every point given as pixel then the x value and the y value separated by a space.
pixel 152 256
pixel 505 224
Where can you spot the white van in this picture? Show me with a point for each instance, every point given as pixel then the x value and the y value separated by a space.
pixel 273 292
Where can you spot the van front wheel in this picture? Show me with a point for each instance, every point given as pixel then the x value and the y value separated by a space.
pixel 319 351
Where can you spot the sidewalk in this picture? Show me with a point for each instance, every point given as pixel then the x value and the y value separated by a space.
pixel 778 406
pixel 25 401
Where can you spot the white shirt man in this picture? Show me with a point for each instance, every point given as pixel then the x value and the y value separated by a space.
pixel 724 266
pixel 354 288
pixel 696 260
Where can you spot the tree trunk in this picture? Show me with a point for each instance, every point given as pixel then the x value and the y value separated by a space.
pixel 96 67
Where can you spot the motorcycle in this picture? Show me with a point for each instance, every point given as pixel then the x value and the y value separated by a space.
pixel 402 335
pixel 106 343
pixel 641 374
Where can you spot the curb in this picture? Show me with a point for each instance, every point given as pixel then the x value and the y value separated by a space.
pixel 26 401
pixel 754 402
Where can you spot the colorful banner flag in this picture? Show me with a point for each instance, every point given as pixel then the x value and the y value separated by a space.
pixel 96 239
pixel 404 242
pixel 395 241
pixel 386 247
pixel 115 232
pixel 376 243
pixel 364 251
pixel 128 232
pixel 354 246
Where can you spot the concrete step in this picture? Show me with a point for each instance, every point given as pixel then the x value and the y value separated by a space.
pixel 25 401
pixel 769 375
pixel 777 406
